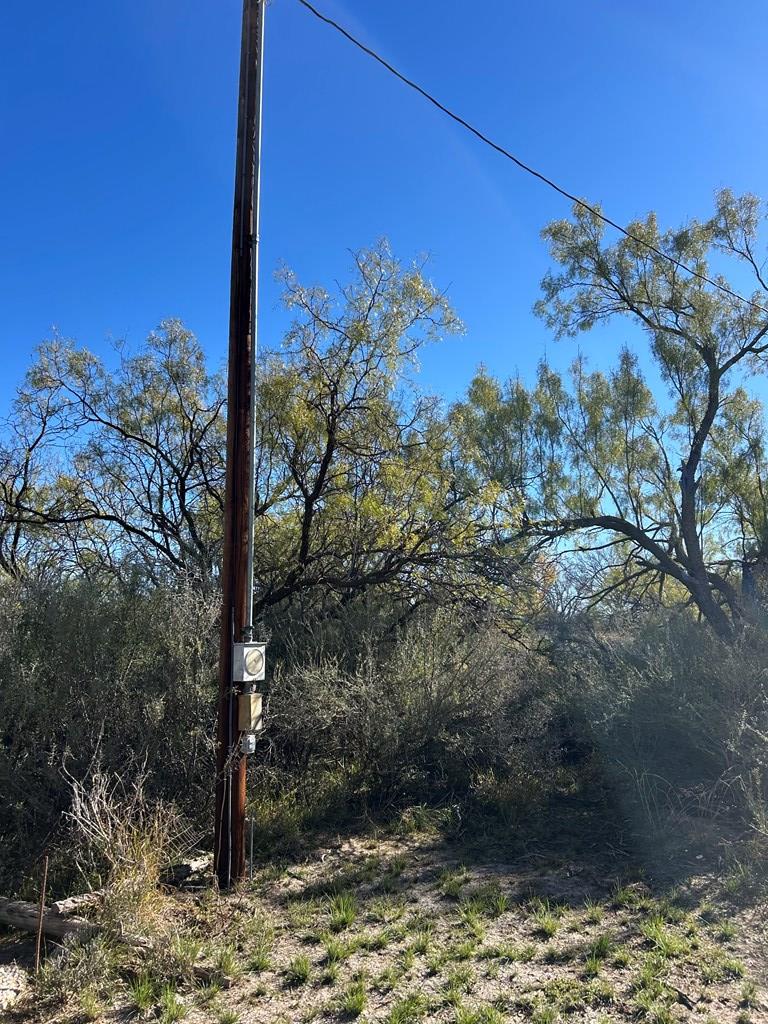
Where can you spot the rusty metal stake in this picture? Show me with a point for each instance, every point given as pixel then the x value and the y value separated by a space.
pixel 41 912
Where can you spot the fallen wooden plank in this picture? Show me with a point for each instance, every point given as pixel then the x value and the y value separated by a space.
pixel 22 915
pixel 74 904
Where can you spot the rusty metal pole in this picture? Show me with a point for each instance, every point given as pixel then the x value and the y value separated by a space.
pixel 229 826
pixel 40 916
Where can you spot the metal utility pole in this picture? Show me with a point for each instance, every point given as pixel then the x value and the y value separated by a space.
pixel 237 721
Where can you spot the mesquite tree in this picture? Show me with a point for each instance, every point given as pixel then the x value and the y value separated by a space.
pixel 359 484
pixel 671 487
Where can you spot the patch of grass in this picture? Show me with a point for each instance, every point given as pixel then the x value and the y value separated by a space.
pixel 228 1017
pixel 650 976
pixel 486 1014
pixel 563 955
pixel 386 909
pixel 271 872
pixel 182 953
pixel 420 922
pixel 593 912
pixel 143 993
pixel 375 940
pixel 666 943
pixel 297 971
pixel 259 939
pixel 731 968
pixel 651 997
pixel 329 974
pixel 397 865
pixel 707 913
pixel 461 978
pixel 421 942
pixel 622 957
pixel 488 900
pixel 600 992
pixel 669 911
pixel 627 897
pixel 509 952
pixel 452 882
pixel 464 950
pixel 458 983
pixel 602 947
pixel 206 994
pixel 426 821
pixel 543 1014
pixel 80 965
pixel 655 1012
pixel 303 912
pixel 388 978
pixel 546 920
pixel 592 966
pixel 91 1006
pixel 354 999
pixel 228 963
pixel 172 1009
pixel 408 1010
pixel 725 931
pixel 739 879
pixel 567 994
pixel 472 921
pixel 337 949
pixel 748 997
pixel 259 959
pixel 343 911
pixel 710 972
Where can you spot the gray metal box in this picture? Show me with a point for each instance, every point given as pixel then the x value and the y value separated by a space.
pixel 249 662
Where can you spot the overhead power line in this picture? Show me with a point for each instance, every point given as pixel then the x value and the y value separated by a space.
pixel 523 166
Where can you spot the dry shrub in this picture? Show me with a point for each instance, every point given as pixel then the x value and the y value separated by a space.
pixel 100 672
pixel 677 718
pixel 76 966
pixel 437 714
pixel 123 841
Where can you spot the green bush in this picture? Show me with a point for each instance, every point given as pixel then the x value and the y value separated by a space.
pixel 420 717
pixel 677 719
pixel 97 676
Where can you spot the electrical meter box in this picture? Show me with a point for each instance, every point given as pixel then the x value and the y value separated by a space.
pixel 249 662
pixel 249 712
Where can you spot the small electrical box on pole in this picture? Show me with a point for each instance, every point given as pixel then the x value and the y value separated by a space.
pixel 241 661
pixel 249 662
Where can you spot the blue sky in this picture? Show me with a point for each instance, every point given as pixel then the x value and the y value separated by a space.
pixel 117 158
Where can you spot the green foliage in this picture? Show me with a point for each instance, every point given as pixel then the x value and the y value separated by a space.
pixel 343 911
pixel 354 999
pixel 665 489
pixel 91 1005
pixel 408 663
pixel 444 698
pixel 479 1015
pixel 297 971
pixel 120 472
pixel 81 966
pixel 172 1008
pixel 149 657
pixel 142 993
pixel 409 1009
pixel 545 918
